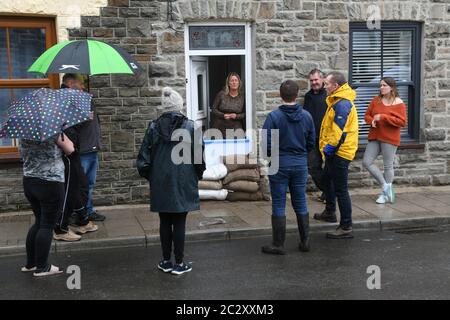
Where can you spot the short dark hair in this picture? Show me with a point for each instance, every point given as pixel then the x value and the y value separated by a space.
pixel 69 76
pixel 314 71
pixel 289 90
pixel 337 77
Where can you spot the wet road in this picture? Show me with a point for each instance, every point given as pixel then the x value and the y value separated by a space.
pixel 412 266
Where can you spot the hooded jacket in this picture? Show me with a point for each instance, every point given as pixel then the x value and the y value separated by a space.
pixel 296 134
pixel 340 125
pixel 173 184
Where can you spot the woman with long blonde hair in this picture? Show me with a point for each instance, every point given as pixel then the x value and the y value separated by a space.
pixel 229 106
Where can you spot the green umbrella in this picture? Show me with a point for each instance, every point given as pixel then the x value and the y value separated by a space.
pixel 87 57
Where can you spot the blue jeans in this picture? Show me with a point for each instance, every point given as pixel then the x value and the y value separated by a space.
pixel 295 178
pixel 335 180
pixel 89 161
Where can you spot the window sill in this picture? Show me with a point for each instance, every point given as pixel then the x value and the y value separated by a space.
pixel 13 157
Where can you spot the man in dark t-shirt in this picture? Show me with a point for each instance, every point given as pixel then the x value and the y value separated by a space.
pixel 315 104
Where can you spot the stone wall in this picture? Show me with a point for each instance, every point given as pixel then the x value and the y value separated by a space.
pixel 291 38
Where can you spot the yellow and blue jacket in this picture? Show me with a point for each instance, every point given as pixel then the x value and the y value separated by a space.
pixel 339 130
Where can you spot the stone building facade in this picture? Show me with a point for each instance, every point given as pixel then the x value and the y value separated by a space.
pixel 288 39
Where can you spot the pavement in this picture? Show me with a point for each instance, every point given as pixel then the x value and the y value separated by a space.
pixel 135 225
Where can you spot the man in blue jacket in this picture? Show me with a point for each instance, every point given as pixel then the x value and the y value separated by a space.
pixel 296 132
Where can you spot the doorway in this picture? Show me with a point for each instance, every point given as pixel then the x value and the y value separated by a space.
pixel 213 50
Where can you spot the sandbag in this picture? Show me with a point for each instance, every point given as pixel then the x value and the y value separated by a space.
pixel 210 185
pixel 242 174
pixel 243 185
pixel 239 161
pixel 213 194
pixel 216 172
pixel 245 196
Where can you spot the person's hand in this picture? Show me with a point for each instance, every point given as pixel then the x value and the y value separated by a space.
pixel 329 150
pixel 226 116
pixel 232 116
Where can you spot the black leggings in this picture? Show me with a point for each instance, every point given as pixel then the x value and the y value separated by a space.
pixel 172 228
pixel 46 199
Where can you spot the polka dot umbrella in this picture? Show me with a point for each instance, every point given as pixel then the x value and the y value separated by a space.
pixel 46 112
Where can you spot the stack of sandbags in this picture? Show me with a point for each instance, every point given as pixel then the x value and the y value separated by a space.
pixel 242 180
pixel 210 187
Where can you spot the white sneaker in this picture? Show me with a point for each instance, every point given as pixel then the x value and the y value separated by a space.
pixel 53 271
pixel 25 269
pixel 390 193
pixel 382 199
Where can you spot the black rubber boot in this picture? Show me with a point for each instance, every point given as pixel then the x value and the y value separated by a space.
pixel 278 236
pixel 303 229
pixel 326 215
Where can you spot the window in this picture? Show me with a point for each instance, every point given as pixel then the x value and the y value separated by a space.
pixel 392 51
pixel 216 37
pixel 22 41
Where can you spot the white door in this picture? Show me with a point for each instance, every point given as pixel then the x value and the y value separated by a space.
pixel 199 91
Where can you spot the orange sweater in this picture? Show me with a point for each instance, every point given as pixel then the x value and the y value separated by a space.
pixel 392 119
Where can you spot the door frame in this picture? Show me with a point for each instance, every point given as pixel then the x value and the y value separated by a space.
pixel 247 53
pixel 207 101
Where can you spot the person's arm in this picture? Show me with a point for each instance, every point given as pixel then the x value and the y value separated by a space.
pixel 341 112
pixel 267 143
pixel 311 134
pixel 368 116
pixel 307 102
pixel 143 162
pixel 65 144
pixel 396 119
pixel 241 115
pixel 197 152
pixel 215 110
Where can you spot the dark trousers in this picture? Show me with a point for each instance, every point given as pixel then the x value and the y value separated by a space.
pixel 172 228
pixel 315 163
pixel 335 180
pixel 76 194
pixel 46 199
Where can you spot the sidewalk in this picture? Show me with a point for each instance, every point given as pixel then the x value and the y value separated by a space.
pixel 134 225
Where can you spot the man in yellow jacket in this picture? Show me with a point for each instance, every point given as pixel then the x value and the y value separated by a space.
pixel 338 144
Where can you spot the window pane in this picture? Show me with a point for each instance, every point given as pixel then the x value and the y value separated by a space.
pixel 201 104
pixel 26 46
pixel 366 64
pixel 6 97
pixel 3 55
pixel 363 97
pixel 210 38
pixel 397 46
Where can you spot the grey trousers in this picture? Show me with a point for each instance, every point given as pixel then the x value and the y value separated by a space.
pixel 373 149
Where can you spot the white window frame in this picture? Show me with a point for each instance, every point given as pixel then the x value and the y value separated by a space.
pixel 247 53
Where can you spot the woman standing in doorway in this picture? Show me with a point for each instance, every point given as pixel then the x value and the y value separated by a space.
pixel 229 106
pixel 386 114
